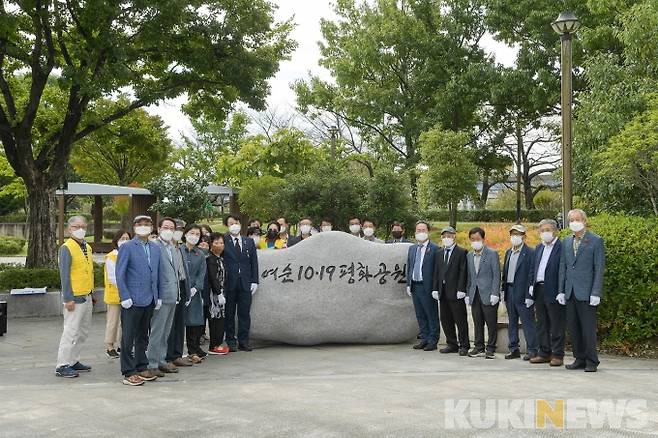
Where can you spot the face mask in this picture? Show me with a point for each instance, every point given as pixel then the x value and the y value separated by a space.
pixel 235 229
pixel 305 229
pixel 355 228
pixel 421 237
pixel 121 242
pixel 477 245
pixel 546 236
pixel 192 239
pixel 79 234
pixel 143 230
pixel 326 228
pixel 396 234
pixel 576 226
pixel 283 230
pixel 516 240
pixel 447 241
pixel 256 240
pixel 272 234
pixel 178 235
pixel 368 232
pixel 166 235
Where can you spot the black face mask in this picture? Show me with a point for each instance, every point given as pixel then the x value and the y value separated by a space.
pixel 272 234
pixel 396 234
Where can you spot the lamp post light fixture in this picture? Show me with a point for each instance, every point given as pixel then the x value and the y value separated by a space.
pixel 566 25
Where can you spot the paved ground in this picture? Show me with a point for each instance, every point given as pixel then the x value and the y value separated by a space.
pixel 325 391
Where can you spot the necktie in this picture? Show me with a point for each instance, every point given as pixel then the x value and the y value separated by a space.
pixel 446 257
pixel 237 245
pixel 576 244
pixel 417 264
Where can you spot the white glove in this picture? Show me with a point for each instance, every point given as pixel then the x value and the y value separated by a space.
pixel 561 299
pixel 531 291
pixel 467 300
pixel 187 303
pixel 529 302
pixel 193 292
pixel 409 290
pixel 158 304
pixel 221 299
pixel 127 304
pixel 594 300
pixel 461 295
pixel 494 299
pixel 254 288
pixel 435 294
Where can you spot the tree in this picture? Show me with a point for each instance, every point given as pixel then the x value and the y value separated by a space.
pixel 631 159
pixel 258 197
pixel 399 68
pixel 132 149
pixel 386 199
pixel 184 198
pixel 451 175
pixel 12 189
pixel 215 51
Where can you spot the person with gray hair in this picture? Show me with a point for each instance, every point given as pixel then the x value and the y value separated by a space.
pixel 551 315
pixel 76 270
pixel 580 288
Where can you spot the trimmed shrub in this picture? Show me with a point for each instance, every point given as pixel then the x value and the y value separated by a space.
pixel 629 308
pixel 11 245
pixel 17 278
pixel 489 215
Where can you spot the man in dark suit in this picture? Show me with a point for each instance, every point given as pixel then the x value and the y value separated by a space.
pixel 397 234
pixel 551 315
pixel 517 274
pixel 580 288
pixel 450 290
pixel 241 261
pixel 420 279
pixel 305 228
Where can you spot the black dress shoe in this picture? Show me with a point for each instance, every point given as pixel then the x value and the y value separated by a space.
pixel 449 350
pixel 244 347
pixel 430 347
pixel 529 356
pixel 463 351
pixel 576 365
pixel 590 368
pixel 513 355
pixel 420 345
pixel 232 348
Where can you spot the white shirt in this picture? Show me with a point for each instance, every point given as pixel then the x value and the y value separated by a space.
pixel 110 267
pixel 545 255
pixel 423 248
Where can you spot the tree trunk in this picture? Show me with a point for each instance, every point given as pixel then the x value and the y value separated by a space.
pixel 528 194
pixel 41 226
pixel 452 210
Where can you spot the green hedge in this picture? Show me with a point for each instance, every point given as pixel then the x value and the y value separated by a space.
pixel 11 245
pixel 12 277
pixel 489 215
pixel 628 316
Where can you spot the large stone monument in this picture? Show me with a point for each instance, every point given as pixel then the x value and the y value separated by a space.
pixel 333 288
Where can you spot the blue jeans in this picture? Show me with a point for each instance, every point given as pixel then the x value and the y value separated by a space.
pixel 427 313
pixel 517 310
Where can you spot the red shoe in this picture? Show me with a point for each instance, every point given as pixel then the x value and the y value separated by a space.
pixel 222 350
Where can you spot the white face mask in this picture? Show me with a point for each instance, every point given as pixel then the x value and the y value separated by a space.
pixel 368 232
pixel 121 242
pixel 421 237
pixel 477 245
pixel 256 240
pixel 516 240
pixel 143 230
pixel 355 228
pixel 546 236
pixel 235 229
pixel 326 228
pixel 166 235
pixel 448 241
pixel 576 226
pixel 192 239
pixel 283 230
pixel 178 235
pixel 305 229
pixel 79 234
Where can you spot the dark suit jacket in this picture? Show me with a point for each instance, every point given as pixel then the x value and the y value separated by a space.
pixel 295 240
pixel 552 273
pixel 582 274
pixel 428 265
pixel 525 268
pixel 454 273
pixel 241 268
pixel 137 278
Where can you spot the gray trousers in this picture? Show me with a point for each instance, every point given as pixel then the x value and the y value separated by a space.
pixel 161 323
pixel 74 335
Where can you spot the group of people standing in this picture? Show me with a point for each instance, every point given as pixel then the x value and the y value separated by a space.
pixel 160 290
pixel 557 284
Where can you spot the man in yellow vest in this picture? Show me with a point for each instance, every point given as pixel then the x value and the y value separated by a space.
pixel 76 270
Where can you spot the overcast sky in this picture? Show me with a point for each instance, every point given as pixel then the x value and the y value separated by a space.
pixel 307 33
